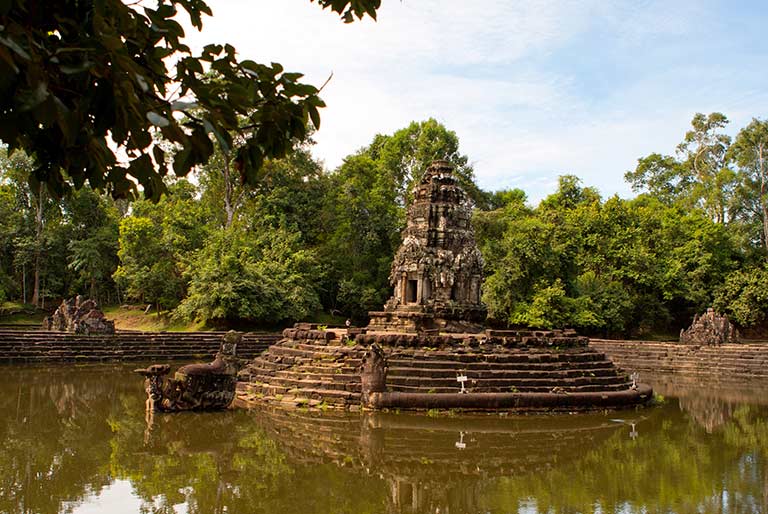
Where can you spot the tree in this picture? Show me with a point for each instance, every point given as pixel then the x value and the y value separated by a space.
pixel 699 177
pixel 743 296
pixel 405 155
pixel 750 151
pixel 39 209
pixel 93 226
pixel 156 243
pixel 10 220
pixel 662 176
pixel 706 156
pixel 264 277
pixel 79 78
pixel 366 221
pixel 609 267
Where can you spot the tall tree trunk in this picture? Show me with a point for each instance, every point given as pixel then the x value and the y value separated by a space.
pixel 36 289
pixel 229 208
pixel 763 196
pixel 38 244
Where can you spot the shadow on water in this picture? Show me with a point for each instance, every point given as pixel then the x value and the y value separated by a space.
pixel 73 436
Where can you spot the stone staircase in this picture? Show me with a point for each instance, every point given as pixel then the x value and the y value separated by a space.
pixel 41 346
pixel 319 370
pixel 503 370
pixel 728 361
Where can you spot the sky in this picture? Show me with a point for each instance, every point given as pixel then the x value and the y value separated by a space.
pixel 533 89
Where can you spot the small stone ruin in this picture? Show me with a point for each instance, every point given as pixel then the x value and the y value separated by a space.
pixel 710 328
pixel 79 316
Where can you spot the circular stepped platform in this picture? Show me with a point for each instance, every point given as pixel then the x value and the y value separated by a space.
pixel 322 368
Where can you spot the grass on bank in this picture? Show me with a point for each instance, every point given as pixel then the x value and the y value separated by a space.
pixel 132 317
pixel 17 313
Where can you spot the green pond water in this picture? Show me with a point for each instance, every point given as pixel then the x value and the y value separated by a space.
pixel 78 440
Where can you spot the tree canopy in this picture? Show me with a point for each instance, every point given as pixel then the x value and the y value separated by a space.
pixel 309 243
pixel 86 84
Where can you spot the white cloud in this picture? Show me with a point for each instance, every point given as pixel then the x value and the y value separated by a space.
pixel 505 76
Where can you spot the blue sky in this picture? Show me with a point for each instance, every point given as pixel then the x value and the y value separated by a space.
pixel 533 89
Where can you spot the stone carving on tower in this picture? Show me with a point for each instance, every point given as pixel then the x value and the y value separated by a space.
pixel 437 272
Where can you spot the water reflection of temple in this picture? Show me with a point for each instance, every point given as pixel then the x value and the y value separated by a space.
pixel 442 464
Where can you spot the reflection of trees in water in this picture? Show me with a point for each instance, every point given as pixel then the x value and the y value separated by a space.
pixel 68 432
pixel 48 429
pixel 674 466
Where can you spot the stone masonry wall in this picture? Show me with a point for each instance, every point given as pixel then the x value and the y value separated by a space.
pixel 722 362
pixel 40 346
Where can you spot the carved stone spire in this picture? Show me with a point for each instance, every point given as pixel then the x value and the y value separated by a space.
pixel 437 272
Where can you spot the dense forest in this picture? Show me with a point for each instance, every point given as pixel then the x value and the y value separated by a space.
pixel 303 240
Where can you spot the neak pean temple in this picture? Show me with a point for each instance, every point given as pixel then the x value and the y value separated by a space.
pixel 428 348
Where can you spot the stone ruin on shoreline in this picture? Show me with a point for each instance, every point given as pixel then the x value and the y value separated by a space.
pixel 79 316
pixel 710 328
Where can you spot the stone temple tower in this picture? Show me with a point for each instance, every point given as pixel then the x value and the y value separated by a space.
pixel 437 272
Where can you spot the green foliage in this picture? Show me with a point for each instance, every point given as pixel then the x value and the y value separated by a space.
pixel 265 277
pixel 609 267
pixel 155 243
pixel 750 152
pixel 404 156
pixel 548 308
pixel 78 79
pixel 701 175
pixel 744 296
pixel 365 225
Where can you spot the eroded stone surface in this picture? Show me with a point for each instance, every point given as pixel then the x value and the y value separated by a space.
pixel 710 328
pixel 79 316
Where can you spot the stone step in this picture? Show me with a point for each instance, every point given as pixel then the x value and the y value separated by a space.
pixel 285 394
pixel 324 384
pixel 340 378
pixel 482 366
pixel 514 388
pixel 515 372
pixel 336 367
pixel 429 382
pixel 505 358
